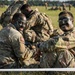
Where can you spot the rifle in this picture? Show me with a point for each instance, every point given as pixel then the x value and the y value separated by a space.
pixel 11 10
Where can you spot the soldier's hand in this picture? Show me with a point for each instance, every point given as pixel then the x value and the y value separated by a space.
pixel 33 47
pixel 37 55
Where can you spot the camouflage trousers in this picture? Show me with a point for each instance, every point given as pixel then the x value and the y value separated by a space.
pixel 61 59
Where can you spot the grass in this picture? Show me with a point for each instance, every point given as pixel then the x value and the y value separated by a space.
pixel 2 10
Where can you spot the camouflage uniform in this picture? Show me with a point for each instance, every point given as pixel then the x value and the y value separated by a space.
pixel 58 52
pixel 39 25
pixel 13 52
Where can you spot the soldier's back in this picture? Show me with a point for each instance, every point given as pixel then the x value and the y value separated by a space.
pixel 7 56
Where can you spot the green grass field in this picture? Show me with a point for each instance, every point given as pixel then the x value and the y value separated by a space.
pixel 54 16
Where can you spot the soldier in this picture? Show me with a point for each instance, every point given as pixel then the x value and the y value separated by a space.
pixel 13 52
pixel 46 5
pixel 58 52
pixel 70 6
pixel 38 26
pixel 64 6
pixel 10 11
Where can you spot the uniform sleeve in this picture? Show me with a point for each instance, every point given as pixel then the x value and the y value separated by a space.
pixel 53 44
pixel 31 21
pixel 19 48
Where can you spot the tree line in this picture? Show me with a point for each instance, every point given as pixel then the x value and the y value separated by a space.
pixel 39 2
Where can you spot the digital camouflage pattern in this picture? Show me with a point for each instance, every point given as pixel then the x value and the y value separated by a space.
pixel 11 10
pixel 41 26
pixel 13 52
pixel 58 51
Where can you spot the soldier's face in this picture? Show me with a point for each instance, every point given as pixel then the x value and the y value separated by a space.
pixel 65 23
pixel 26 11
pixel 20 24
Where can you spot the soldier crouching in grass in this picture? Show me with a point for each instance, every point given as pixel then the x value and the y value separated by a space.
pixel 58 52
pixel 38 25
pixel 38 28
pixel 13 52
